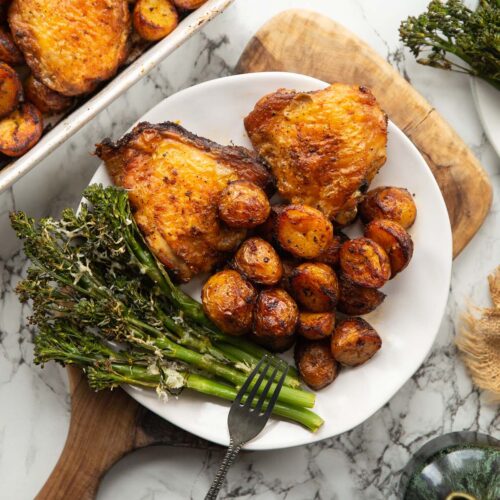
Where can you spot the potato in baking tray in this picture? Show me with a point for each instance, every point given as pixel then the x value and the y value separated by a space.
pixel 74 45
pixel 11 89
pixel 154 19
pixel 20 130
pixel 45 99
pixel 9 52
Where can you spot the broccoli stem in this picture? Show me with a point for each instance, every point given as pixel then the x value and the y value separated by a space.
pixel 139 376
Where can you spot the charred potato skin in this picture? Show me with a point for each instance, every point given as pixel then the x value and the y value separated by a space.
pixel 394 239
pixel 331 255
pixel 316 365
pixel 189 4
pixel 314 285
pixel 303 231
pixel 243 204
pixel 365 262
pixel 11 90
pixel 316 326
pixel 9 52
pixel 228 300
pixel 275 318
pixel 354 342
pixel 391 203
pixel 45 99
pixel 258 261
pixel 154 19
pixel 356 300
pixel 20 130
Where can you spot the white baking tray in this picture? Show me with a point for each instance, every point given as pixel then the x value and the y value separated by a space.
pixel 127 77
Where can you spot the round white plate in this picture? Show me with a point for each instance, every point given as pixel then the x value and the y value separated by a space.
pixel 487 101
pixel 407 321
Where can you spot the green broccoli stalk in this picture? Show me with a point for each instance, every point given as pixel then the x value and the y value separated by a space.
pixel 452 28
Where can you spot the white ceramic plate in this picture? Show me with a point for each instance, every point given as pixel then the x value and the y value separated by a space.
pixel 487 100
pixel 408 320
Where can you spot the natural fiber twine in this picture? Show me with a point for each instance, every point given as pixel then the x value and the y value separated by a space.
pixel 479 341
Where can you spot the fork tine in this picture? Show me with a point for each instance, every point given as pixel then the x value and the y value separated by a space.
pixel 249 379
pixel 257 385
pixel 276 393
pixel 265 392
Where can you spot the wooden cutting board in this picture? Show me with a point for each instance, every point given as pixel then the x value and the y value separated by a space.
pixel 105 426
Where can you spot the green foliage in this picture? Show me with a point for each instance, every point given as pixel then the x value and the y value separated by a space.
pixel 449 32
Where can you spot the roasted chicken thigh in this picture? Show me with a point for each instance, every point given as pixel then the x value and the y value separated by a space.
pixel 324 147
pixel 175 180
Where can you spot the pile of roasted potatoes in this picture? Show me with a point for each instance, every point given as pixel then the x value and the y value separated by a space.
pixel 299 280
pixel 49 57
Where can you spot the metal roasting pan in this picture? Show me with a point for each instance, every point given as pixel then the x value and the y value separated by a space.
pixel 115 87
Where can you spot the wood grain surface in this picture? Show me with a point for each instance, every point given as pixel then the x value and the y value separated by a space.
pixel 107 425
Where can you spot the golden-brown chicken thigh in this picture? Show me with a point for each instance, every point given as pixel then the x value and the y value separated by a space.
pixel 71 45
pixel 324 147
pixel 175 179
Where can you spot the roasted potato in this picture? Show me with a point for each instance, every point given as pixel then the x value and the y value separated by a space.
pixel 11 90
pixel 258 261
pixel 154 19
pixel 354 342
pixel 243 204
pixel 303 231
pixel 275 319
pixel 356 300
pixel 189 4
pixel 346 217
pixel 331 255
pixel 391 203
pixel 394 239
pixel 314 286
pixel 315 326
pixel 228 300
pixel 45 99
pixel 365 262
pixel 20 130
pixel 9 52
pixel 316 365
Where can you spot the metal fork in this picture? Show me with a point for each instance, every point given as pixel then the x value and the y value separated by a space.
pixel 246 418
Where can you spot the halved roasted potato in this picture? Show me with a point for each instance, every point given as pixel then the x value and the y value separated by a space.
pixel 314 285
pixel 394 239
pixel 315 363
pixel 45 99
pixel 365 262
pixel 346 217
pixel 303 231
pixel 391 203
pixel 258 261
pixel 189 4
pixel 243 204
pixel 11 89
pixel 154 19
pixel 315 326
pixel 275 319
pixel 20 130
pixel 356 300
pixel 228 300
pixel 354 342
pixel 9 52
pixel 331 255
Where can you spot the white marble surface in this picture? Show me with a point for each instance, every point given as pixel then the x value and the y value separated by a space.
pixel 362 464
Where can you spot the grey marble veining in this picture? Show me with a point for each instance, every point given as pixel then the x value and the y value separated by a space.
pixel 361 464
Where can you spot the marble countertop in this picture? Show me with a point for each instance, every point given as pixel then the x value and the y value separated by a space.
pixel 361 464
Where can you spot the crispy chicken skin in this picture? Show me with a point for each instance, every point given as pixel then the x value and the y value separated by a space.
pixel 175 179
pixel 72 45
pixel 324 147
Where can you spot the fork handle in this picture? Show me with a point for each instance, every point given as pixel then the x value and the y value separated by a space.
pixel 229 458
